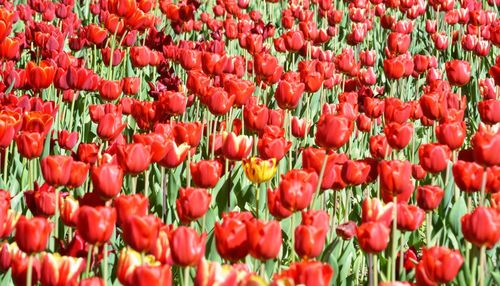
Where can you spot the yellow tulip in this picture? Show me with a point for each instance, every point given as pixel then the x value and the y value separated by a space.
pixel 258 170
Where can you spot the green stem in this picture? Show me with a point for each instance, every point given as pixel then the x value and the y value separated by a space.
pixel 320 179
pixel 482 262
pixel 146 183
pixel 56 220
pixel 186 276
pixel 257 195
pixel 5 166
pixel 188 169
pixel 394 240
pixel 483 187
pixel 29 271
pixel 89 258
pixel 428 228
pixel 105 262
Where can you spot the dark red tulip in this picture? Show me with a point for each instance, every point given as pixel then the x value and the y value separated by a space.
pixel 192 204
pixel 355 172
pixel 379 147
pixel 30 144
pixel 346 230
pixel 264 238
pixel 187 246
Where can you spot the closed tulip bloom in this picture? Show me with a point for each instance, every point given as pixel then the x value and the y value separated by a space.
pixel 79 172
pixel 309 241
pixel 316 218
pixel 110 126
pixel 236 147
pixel 451 134
pixel 417 172
pixel 346 230
pixel 192 204
pixel 355 172
pixel 87 152
pixel 149 275
pixel 56 169
pixel 373 237
pixel 297 188
pixel 187 246
pixel 258 170
pixel 40 76
pixel 468 175
pixel 20 268
pixel 410 217
pixel 32 234
pixel 398 135
pixel 300 127
pixel 189 133
pixel 271 146
pixel 157 142
pixel 110 90
pixel 131 85
pixel 395 176
pixel 307 272
pixel 129 260
pixel 288 94
pixel 333 131
pixel 141 232
pixel 30 144
pixel 60 270
pixel 68 207
pixel 396 110
pixel 107 180
pixel 379 147
pixel 458 72
pixel 275 205
pixel 42 200
pixel 394 68
pixel 264 238
pixel 231 238
pixel 489 110
pixel 434 157
pixel 482 227
pixel 429 197
pixel 134 158
pixel 175 154
pixel 10 123
pixel 172 103
pixel 128 205
pixel 206 173
pixel 96 225
pixel 255 117
pixel 439 265
pixel 92 281
pixel 486 145
pixel 67 140
pixel 161 251
pixel 372 210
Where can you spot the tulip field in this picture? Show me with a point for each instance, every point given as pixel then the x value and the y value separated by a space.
pixel 250 142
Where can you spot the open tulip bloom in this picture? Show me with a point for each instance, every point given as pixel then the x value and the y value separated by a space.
pixel 242 142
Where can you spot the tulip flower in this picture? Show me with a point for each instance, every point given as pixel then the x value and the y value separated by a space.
pixel 434 157
pixel 485 145
pixel 192 204
pixel 429 197
pixel 148 275
pixel 398 135
pixel 347 230
pixel 231 238
pixel 333 131
pixel 30 144
pixel 10 123
pixel 60 270
pixel 128 205
pixel 275 205
pixel 379 147
pixel 395 178
pixel 128 261
pixel 79 172
pixel 439 265
pixel 40 76
pixel 95 225
pixel 56 169
pixel 306 273
pixel 42 200
pixel 236 147
pixel 373 237
pixel 458 72
pixel 309 241
pixel 206 173
pixel 264 238
pixel 32 234
pixel 451 134
pixel 175 154
pixel 409 217
pixel 482 227
pixel 141 232
pixel 296 189
pixel 68 207
pixel 258 170
pixel 107 180
pixel 187 246
pixel 134 158
pixel 373 210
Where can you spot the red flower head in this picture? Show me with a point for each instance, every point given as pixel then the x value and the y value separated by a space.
pixel 192 204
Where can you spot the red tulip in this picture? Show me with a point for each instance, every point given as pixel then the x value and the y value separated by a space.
pixel 395 177
pixel 275 205
pixel 67 140
pixel 482 227
pixel 288 94
pixel 37 121
pixel 30 144
pixel 434 157
pixel 42 200
pixel 458 72
pixel 309 240
pixel 489 110
pixel 429 197
pixel 95 225
pixel 172 103
pixel 78 175
pixel 40 76
pixel 68 207
pixel 231 238
pixel 192 204
pixel 175 154
pixel 355 172
pixel 486 145
pixel 110 90
pixel 189 133
pixel 379 147
pixel 307 272
pixel 373 237
pixel 273 145
pixel 451 134
pixel 346 230
pixel 107 180
pixel 10 123
pixel 110 126
pixel 32 234
pixel 148 275
pixel 187 246
pixel 300 127
pixel 333 131
pixel 439 265
pixel 134 158
pixel 264 238
pixel 410 217
pixel 131 85
pixel 60 270
pixel 236 147
pixel 206 173
pixel 87 152
pixel 128 205
pixel 141 232
pixel 56 169
pixel 468 175
pixel 398 135
pixel 296 189
pixel 373 211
